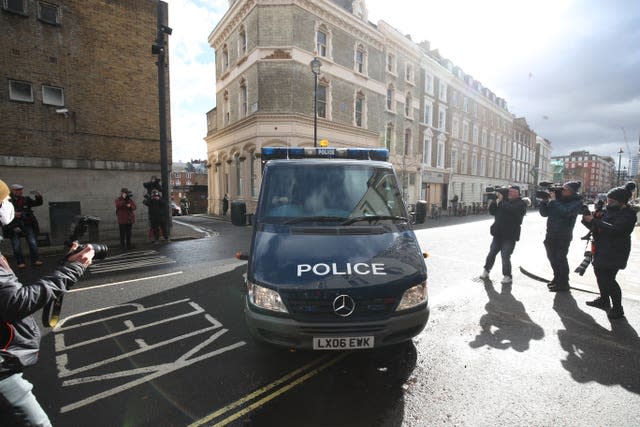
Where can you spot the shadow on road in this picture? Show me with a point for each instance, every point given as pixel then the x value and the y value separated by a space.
pixel 506 323
pixel 595 353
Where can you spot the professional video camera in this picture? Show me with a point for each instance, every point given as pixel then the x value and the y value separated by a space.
pixel 78 228
pixel 547 188
pixel 154 184
pixel 492 192
pixel 588 257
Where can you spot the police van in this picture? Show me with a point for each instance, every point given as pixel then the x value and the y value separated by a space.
pixel 334 263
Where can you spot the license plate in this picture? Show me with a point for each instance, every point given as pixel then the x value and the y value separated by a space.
pixel 341 343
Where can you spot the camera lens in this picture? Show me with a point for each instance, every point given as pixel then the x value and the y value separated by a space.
pixel 101 250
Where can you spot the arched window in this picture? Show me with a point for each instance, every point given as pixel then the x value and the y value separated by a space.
pixel 238 165
pixel 225 58
pixel 388 135
pixel 390 95
pixel 226 108
pixel 244 107
pixel 242 41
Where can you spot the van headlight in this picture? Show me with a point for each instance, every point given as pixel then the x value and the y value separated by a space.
pixel 413 296
pixel 265 298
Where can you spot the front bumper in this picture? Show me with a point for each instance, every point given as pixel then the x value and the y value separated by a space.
pixel 288 332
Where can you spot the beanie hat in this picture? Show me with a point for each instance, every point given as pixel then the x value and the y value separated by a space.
pixel 4 191
pixel 622 194
pixel 574 186
pixel 124 190
pixel 515 187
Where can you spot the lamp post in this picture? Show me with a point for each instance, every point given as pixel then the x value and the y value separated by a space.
pixel 619 163
pixel 315 69
pixel 159 48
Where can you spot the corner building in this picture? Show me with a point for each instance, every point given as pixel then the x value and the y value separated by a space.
pixel 376 88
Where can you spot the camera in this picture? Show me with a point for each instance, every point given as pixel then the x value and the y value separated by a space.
pixel 154 184
pixel 78 228
pixel 588 257
pixel 492 192
pixel 547 188
pixel 584 210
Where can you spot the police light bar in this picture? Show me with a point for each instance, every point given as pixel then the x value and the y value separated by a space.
pixel 270 153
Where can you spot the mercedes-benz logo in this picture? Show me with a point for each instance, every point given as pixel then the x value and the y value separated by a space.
pixel 343 305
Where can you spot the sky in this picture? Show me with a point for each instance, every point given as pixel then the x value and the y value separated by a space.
pixel 570 67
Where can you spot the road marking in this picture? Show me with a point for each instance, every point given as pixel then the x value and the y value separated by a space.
pixel 206 232
pixel 268 387
pixel 129 261
pixel 89 288
pixel 189 356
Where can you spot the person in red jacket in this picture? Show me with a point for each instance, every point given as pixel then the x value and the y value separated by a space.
pixel 19 333
pixel 125 207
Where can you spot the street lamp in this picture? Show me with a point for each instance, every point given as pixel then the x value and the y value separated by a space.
pixel 315 69
pixel 619 163
pixel 158 48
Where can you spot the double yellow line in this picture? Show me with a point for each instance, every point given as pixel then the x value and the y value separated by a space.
pixel 313 369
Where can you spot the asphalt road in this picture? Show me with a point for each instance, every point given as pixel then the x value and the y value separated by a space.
pixel 156 337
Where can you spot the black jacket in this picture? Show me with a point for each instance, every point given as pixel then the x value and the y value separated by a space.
pixel 19 333
pixel 562 214
pixel 509 214
pixel 612 237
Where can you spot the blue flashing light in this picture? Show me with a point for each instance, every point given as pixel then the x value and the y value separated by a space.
pixel 379 154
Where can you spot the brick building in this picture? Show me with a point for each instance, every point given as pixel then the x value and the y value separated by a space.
pixel 79 104
pixel 447 134
pixel 189 182
pixel 597 173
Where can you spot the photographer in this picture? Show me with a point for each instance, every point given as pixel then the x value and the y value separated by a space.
pixel 505 230
pixel 611 235
pixel 125 207
pixel 561 209
pixel 156 215
pixel 25 224
pixel 19 334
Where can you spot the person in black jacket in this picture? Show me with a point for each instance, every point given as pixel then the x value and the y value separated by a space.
pixel 19 334
pixel 156 215
pixel 611 235
pixel 24 224
pixel 505 231
pixel 561 213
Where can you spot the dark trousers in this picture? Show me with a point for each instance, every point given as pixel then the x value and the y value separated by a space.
pixel 505 247
pixel 609 287
pixel 16 243
pixel 557 250
pixel 125 236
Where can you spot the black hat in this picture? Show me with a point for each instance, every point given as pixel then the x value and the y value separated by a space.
pixel 574 186
pixel 515 187
pixel 622 194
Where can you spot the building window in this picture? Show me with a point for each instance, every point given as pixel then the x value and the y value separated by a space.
pixel 428 107
pixel 20 91
pixel 48 13
pixel 440 154
pixel 474 164
pixel 442 118
pixel 391 63
pixel 428 84
pixel 225 58
pixel 238 164
pixel 475 135
pixel 407 142
pixel 408 73
pixel 442 93
pixel 454 160
pixel 15 6
pixel 390 95
pixel 464 167
pixel 454 98
pixel 427 147
pixel 361 59
pixel 359 108
pixel 52 95
pixel 252 171
pixel 388 135
pixel 242 42
pixel 322 41
pixel 322 101
pixel 465 104
pixel 454 127
pixel 465 131
pixel 244 106
pixel 226 108
pixel 408 108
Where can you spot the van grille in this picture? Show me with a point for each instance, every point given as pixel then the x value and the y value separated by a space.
pixel 316 306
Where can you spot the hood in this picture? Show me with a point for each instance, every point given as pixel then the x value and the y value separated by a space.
pixel 297 258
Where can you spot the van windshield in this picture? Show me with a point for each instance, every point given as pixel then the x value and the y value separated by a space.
pixel 332 191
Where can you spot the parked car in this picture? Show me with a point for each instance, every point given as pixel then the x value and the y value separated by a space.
pixel 175 209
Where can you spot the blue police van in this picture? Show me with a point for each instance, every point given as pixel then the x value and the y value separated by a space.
pixel 334 263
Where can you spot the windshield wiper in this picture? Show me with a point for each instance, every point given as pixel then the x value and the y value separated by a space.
pixel 373 218
pixel 316 219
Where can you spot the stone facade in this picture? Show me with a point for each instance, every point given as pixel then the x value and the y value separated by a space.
pixel 377 88
pixel 100 132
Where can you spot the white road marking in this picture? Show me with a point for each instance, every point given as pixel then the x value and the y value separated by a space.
pixel 89 288
pixel 207 233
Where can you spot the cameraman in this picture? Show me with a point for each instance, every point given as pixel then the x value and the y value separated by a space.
pixel 125 207
pixel 561 212
pixel 25 224
pixel 19 334
pixel 611 235
pixel 505 231
pixel 156 215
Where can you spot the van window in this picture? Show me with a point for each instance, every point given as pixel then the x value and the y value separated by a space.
pixel 299 190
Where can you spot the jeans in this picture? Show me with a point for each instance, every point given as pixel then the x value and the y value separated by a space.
pixel 18 406
pixel 16 242
pixel 505 247
pixel 557 250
